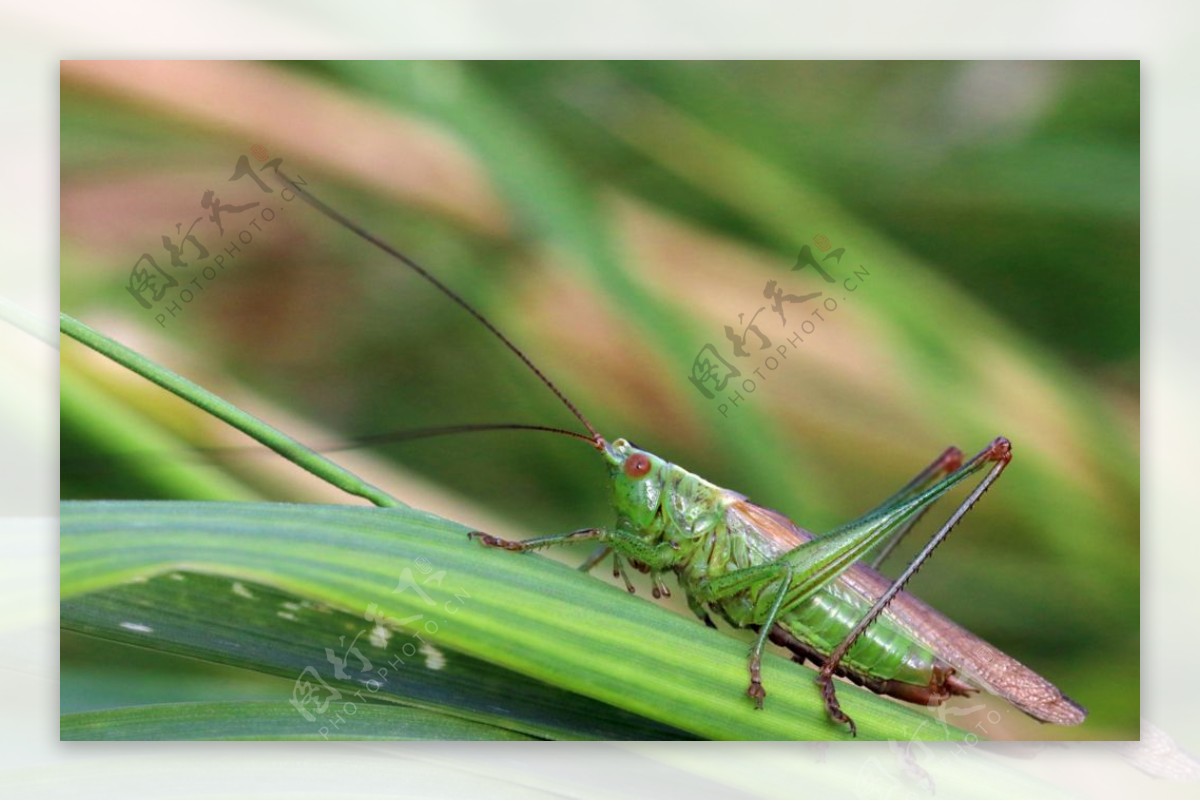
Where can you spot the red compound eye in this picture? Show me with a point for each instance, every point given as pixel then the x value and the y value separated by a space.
pixel 637 465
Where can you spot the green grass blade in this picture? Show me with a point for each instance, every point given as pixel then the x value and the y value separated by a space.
pixel 269 720
pixel 253 626
pixel 524 613
pixel 272 437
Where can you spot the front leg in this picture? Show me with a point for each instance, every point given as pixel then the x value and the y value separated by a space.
pixel 535 543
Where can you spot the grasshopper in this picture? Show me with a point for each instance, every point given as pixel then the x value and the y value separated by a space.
pixel 754 568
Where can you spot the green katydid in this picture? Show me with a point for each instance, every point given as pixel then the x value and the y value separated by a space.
pixel 755 569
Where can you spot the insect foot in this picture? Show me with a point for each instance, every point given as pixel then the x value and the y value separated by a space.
pixel 495 542
pixel 755 690
pixel 832 707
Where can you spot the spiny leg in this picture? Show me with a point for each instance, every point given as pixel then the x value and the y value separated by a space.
pixel 1000 452
pixel 535 543
pixel 948 462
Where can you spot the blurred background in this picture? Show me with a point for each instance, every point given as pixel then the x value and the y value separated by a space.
pixel 613 219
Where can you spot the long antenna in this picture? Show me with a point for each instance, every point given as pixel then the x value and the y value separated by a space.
pixel 80 465
pixel 441 431
pixel 445 290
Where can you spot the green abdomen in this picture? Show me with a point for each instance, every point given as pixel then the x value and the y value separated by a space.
pixel 883 651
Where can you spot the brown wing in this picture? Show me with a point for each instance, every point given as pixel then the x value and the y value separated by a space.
pixel 975 660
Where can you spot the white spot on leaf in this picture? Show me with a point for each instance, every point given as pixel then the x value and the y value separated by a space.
pixel 240 589
pixel 140 628
pixel 379 636
pixel 434 659
pixel 286 615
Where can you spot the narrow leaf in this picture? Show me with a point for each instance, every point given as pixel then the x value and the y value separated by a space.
pixel 269 720
pixel 523 612
pixel 335 658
